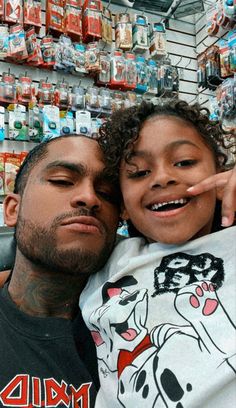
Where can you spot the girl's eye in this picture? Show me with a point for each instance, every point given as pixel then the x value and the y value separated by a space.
pixel 61 182
pixel 138 174
pixel 185 163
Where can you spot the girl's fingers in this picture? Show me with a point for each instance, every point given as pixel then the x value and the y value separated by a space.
pixel 229 201
pixel 217 180
pixel 226 191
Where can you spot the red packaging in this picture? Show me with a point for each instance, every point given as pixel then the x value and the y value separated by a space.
pixel 33 48
pixel 130 71
pixel 25 90
pixel 118 67
pixel 1 7
pixel 73 22
pixel 23 156
pixel 12 164
pixel 32 13
pixel 74 3
pixel 92 25
pixel 55 16
pixel 13 11
pixel 17 45
pixel 92 5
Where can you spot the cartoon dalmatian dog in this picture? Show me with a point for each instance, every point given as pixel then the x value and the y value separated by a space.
pixel 150 366
pixel 131 331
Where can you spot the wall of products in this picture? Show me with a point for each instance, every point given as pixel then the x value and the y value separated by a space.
pixel 216 58
pixel 117 62
pixel 216 55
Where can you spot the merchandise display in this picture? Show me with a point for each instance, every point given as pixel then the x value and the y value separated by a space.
pixel 140 33
pixel 32 15
pixel 9 165
pixel 106 25
pixel 92 20
pixel 123 31
pixel 17 129
pixel 13 11
pixel 217 64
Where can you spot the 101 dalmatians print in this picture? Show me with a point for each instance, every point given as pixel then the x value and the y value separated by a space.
pixel 169 363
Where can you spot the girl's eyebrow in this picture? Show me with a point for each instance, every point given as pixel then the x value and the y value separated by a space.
pixel 178 143
pixel 172 145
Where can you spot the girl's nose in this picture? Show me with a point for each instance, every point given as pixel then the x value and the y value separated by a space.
pixel 163 177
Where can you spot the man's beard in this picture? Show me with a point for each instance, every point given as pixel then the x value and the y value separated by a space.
pixel 38 245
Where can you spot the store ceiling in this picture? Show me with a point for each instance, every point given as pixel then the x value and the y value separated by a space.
pixel 160 6
pixel 178 8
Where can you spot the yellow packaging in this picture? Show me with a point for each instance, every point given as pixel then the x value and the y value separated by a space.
pixel 12 164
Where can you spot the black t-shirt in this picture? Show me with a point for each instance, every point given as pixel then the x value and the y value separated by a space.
pixel 40 360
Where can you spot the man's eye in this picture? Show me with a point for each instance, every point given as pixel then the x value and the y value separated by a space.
pixel 61 182
pixel 138 174
pixel 185 163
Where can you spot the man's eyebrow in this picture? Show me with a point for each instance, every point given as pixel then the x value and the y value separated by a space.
pixel 76 168
pixel 80 169
pixel 172 145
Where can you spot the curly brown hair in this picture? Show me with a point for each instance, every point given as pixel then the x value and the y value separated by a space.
pixel 119 133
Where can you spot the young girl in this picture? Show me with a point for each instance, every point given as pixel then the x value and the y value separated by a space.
pixel 162 312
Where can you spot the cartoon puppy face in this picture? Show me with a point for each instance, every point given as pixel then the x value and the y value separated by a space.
pixel 121 320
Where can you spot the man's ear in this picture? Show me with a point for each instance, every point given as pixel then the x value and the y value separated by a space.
pixel 11 206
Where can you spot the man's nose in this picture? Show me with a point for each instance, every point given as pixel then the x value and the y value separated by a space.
pixel 163 176
pixel 85 196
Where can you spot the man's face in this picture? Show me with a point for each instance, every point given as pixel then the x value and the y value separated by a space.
pixel 169 156
pixel 68 213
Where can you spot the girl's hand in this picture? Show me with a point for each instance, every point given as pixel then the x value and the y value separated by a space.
pixel 226 191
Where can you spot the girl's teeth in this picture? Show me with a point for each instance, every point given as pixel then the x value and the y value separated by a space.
pixel 157 206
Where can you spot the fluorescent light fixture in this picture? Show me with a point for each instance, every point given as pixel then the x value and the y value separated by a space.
pixel 188 7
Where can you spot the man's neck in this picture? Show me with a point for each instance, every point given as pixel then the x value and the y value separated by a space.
pixel 43 293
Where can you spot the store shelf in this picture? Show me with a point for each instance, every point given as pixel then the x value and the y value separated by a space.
pixel 6 230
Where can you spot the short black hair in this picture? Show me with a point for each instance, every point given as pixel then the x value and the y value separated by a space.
pixel 34 156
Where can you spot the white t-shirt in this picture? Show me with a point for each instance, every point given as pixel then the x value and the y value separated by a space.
pixel 163 320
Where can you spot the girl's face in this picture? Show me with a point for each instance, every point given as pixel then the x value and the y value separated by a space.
pixel 169 156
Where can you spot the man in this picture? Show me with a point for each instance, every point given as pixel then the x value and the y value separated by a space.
pixel 65 211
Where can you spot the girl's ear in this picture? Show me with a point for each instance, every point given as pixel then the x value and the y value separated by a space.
pixel 11 206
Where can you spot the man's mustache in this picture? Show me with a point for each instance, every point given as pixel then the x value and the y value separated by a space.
pixel 76 213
